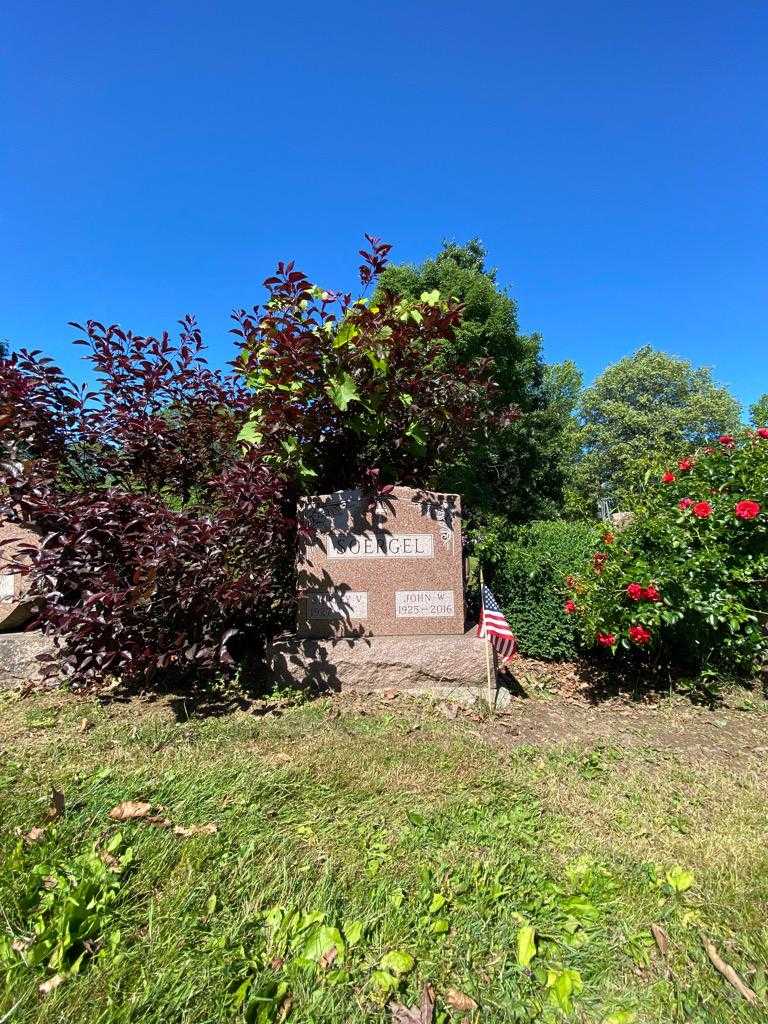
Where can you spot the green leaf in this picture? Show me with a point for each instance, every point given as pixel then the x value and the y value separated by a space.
pixel 342 391
pixel 440 926
pixel 250 433
pixel 379 362
pixel 345 334
pixel 416 433
pixel 563 985
pixel 437 903
pixel 679 879
pixel 397 962
pixel 353 932
pixel 431 298
pixel 526 945
pixel 384 981
pixel 321 940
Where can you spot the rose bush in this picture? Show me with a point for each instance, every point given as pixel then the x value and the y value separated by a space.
pixel 688 578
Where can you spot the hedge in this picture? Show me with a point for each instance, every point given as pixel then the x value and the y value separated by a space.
pixel 526 567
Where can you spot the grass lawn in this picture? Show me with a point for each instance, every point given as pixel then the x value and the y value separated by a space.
pixel 361 851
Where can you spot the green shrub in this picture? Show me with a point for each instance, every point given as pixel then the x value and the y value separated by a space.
pixel 526 567
pixel 688 579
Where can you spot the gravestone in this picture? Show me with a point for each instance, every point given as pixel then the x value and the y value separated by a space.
pixel 15 607
pixel 392 566
pixel 381 600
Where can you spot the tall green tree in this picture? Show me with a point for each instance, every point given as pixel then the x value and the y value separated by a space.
pixel 646 407
pixel 518 469
pixel 758 413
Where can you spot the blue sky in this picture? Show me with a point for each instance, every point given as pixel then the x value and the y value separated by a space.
pixel 159 159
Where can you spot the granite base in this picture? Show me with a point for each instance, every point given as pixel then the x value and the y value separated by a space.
pixel 19 666
pixel 447 667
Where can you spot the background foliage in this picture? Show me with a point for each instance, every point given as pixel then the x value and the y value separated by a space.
pixel 758 413
pixel 516 468
pixel 649 405
pixel 526 567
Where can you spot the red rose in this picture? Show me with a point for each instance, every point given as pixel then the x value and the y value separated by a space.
pixel 639 635
pixel 606 639
pixel 608 538
pixel 570 607
pixel 635 592
pixel 652 594
pixel 747 509
pixel 726 440
pixel 685 503
pixel 702 510
pixel 668 478
pixel 762 432
pixel 684 465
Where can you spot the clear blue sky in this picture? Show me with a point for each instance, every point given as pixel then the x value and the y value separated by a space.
pixel 158 159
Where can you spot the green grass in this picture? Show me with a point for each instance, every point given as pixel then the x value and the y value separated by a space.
pixel 432 842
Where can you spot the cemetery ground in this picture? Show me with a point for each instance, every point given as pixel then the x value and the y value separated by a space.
pixel 343 858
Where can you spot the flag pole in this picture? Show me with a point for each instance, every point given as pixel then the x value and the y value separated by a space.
pixel 491 687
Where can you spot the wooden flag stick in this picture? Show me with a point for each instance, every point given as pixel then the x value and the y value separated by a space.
pixel 491 686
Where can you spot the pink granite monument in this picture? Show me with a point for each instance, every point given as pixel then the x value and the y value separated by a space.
pixel 381 599
pixel 391 568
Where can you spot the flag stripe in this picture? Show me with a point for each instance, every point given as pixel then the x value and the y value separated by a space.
pixel 494 625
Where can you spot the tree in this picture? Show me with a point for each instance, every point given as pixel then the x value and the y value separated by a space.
pixel 647 406
pixel 514 466
pixel 361 393
pixel 758 413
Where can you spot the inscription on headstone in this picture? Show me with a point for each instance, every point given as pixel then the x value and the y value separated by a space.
pixel 352 605
pixel 424 604
pixel 392 566
pixel 380 545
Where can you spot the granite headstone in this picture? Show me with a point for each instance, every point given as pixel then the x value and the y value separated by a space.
pixel 388 567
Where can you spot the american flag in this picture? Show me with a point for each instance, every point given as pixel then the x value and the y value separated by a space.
pixel 493 625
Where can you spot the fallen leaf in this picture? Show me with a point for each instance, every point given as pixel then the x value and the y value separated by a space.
pixel 327 958
pixel 159 821
pixel 56 810
pixel 21 945
pixel 447 711
pixel 427 1006
pixel 130 810
pixel 405 1014
pixel 459 1000
pixel 85 725
pixel 661 938
pixel 421 1014
pixel 389 694
pixel 111 862
pixel 728 972
pixel 285 1009
pixel 34 835
pixel 51 984
pixel 196 830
